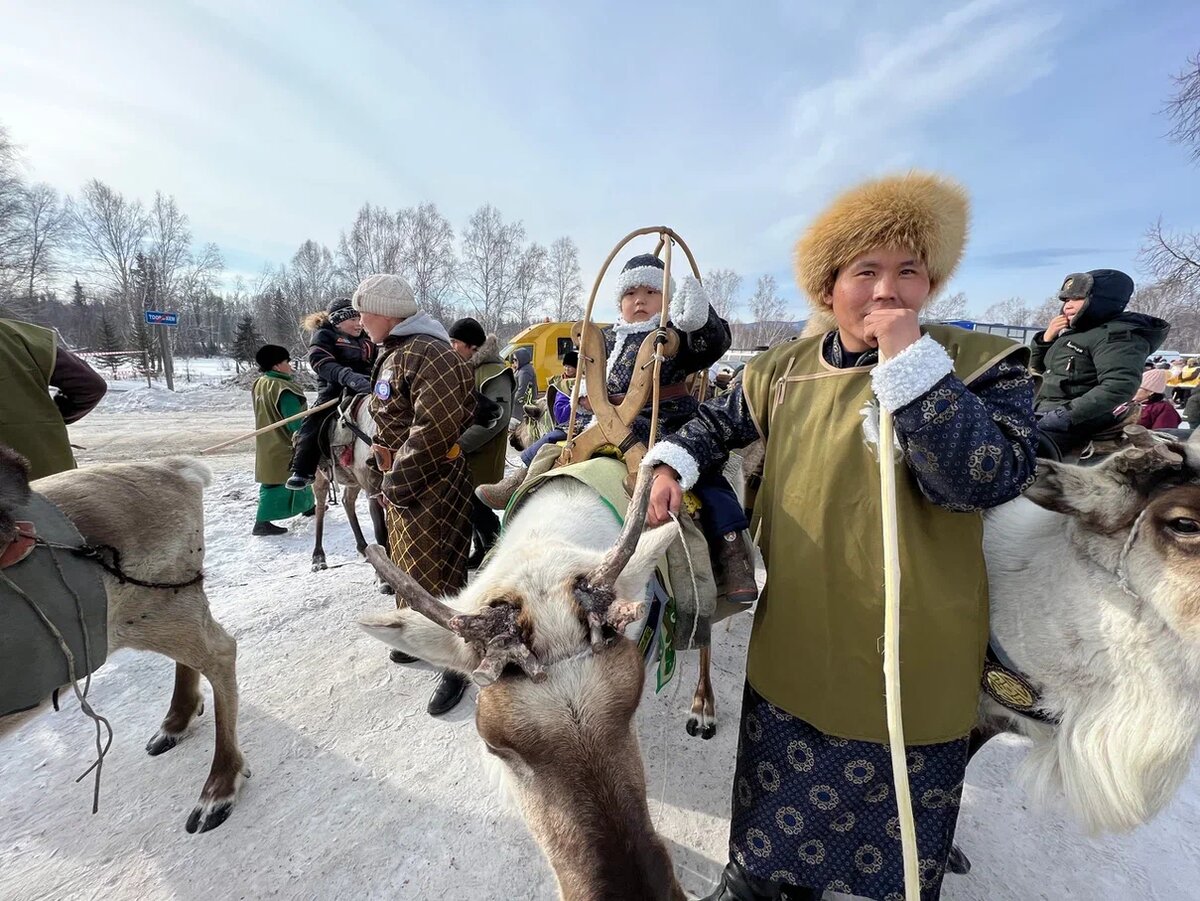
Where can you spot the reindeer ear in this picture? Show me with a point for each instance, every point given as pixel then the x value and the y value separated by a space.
pixel 414 634
pixel 1065 488
pixel 651 547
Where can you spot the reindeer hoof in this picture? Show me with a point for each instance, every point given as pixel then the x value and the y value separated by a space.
pixel 161 742
pixel 704 730
pixel 319 564
pixel 209 816
pixel 385 588
pixel 362 549
pixel 958 863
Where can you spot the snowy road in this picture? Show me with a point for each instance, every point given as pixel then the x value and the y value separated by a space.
pixel 356 793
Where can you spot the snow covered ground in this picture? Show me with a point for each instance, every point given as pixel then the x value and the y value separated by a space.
pixel 356 793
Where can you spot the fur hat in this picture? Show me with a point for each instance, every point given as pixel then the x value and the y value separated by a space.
pixel 469 332
pixel 340 310
pixel 385 295
pixel 921 212
pixel 1155 381
pixel 271 355
pixel 643 271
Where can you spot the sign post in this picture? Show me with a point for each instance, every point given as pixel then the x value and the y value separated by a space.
pixel 162 320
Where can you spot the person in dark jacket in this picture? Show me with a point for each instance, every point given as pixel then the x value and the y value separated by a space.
pixel 32 422
pixel 527 385
pixel 1091 357
pixel 342 357
pixel 1191 411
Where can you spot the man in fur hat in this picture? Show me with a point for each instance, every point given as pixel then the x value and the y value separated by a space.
pixel 423 401
pixel 341 356
pixel 484 442
pixel 813 807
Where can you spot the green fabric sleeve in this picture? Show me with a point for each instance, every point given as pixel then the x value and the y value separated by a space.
pixel 290 405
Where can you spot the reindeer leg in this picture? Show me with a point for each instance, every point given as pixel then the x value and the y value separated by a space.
pixel 321 494
pixel 703 718
pixel 349 501
pixel 187 703
pixel 379 521
pixel 958 862
pixel 181 627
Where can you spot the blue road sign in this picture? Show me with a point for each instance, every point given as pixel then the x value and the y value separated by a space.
pixel 155 317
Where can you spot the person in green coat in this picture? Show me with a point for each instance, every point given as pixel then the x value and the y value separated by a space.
pixel 1091 357
pixel 813 807
pixel 276 397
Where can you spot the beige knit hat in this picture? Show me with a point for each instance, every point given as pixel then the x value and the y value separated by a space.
pixel 918 211
pixel 385 295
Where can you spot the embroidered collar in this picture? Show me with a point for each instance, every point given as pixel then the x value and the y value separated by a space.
pixel 839 358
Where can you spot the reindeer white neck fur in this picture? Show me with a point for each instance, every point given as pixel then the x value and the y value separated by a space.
pixel 1121 668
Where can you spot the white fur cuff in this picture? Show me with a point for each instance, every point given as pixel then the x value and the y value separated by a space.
pixel 678 459
pixel 911 373
pixel 689 308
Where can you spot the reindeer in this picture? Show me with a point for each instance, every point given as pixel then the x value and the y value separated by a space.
pixel 354 475
pixel 555 600
pixel 152 514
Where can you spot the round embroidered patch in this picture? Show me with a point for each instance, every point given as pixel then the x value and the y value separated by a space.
pixel 383 389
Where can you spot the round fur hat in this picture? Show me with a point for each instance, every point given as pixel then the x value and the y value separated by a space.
pixel 918 211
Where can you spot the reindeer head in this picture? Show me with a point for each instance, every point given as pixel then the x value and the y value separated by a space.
pixel 1138 515
pixel 542 633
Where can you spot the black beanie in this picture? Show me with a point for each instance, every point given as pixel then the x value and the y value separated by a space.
pixel 340 310
pixel 571 358
pixel 271 355
pixel 469 332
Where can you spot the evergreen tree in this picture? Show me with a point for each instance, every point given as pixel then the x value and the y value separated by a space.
pixel 246 342
pixel 110 343
pixel 77 297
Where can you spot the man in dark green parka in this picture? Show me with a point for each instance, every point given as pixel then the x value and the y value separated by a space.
pixel 1091 357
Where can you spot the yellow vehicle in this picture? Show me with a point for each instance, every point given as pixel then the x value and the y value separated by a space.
pixel 548 341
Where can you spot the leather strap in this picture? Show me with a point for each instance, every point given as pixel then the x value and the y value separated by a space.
pixel 679 389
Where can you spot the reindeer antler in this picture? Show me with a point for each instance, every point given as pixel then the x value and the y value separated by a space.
pixel 493 632
pixel 596 592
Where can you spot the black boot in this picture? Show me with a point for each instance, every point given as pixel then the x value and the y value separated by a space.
pixel 398 656
pixel 738 885
pixel 268 528
pixel 448 693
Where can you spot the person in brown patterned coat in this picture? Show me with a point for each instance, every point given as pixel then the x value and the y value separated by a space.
pixel 423 400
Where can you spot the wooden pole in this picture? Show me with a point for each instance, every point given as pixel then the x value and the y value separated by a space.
pixel 274 425
pixel 891 657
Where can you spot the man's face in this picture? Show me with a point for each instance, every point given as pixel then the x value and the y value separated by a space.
pixel 377 326
pixel 462 348
pixel 878 279
pixel 1072 307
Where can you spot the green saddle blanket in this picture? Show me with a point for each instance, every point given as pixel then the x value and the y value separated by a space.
pixel 32 665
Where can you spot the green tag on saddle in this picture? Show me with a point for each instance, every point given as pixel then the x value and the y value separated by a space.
pixel 666 647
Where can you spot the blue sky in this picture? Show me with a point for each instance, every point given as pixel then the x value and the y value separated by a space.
pixel 273 122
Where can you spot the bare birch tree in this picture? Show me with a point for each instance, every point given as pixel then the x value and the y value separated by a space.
pixel 1010 311
pixel 12 202
pixel 530 285
pixel 426 258
pixel 565 283
pixel 311 279
pixel 723 286
pixel 768 312
pixel 43 226
pixel 373 244
pixel 1172 257
pixel 947 306
pixel 110 232
pixel 1184 107
pixel 491 256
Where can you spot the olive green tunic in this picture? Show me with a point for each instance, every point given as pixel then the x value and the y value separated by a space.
pixel 30 423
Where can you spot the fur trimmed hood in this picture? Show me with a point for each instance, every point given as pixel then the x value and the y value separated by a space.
pixel 918 211
pixel 488 352
pixel 314 321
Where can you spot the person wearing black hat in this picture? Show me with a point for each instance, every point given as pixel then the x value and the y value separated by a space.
pixel 1090 357
pixel 341 356
pixel 484 441
pixel 276 397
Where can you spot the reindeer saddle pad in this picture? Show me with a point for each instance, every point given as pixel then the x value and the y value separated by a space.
pixel 32 664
